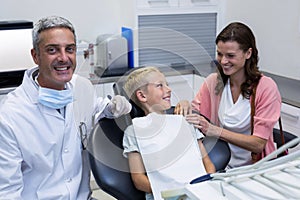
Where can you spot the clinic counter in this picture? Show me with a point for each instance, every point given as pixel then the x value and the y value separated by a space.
pixel 104 76
pixel 289 88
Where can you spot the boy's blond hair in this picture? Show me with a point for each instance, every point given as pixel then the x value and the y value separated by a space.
pixel 138 79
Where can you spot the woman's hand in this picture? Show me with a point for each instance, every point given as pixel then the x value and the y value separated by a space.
pixel 183 107
pixel 203 125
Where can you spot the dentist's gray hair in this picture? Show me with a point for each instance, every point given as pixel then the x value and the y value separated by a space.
pixel 48 23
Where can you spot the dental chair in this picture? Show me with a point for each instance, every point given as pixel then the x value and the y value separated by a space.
pixel 218 150
pixel 110 169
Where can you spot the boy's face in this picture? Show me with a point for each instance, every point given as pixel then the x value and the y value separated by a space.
pixel 158 93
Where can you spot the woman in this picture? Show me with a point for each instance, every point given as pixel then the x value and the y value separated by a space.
pixel 225 98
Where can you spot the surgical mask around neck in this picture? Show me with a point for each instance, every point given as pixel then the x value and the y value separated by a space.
pixel 55 99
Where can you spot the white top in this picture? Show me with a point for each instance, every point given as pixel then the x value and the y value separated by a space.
pixel 235 117
pixel 41 153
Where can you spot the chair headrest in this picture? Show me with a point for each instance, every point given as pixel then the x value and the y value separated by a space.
pixel 136 111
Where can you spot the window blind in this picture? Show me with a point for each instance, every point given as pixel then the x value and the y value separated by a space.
pixel 177 39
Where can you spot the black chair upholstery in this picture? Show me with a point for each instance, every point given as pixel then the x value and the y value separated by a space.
pixel 109 167
pixel 287 138
pixel 218 151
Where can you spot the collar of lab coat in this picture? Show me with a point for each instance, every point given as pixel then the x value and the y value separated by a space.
pixel 31 90
pixel 31 87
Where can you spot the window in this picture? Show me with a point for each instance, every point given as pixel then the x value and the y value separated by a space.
pixel 177 39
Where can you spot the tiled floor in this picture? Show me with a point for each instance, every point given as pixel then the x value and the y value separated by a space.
pixel 98 193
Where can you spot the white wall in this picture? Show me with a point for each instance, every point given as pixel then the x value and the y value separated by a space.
pixel 90 17
pixel 276 25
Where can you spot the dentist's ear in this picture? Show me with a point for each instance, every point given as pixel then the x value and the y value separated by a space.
pixel 34 56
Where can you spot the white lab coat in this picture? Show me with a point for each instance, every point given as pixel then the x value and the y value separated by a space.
pixel 40 150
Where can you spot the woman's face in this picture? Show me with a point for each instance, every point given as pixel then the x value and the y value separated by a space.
pixel 232 58
pixel 158 93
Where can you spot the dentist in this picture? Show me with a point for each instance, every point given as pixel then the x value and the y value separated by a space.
pixel 45 122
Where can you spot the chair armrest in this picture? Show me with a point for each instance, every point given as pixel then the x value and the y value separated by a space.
pixel 287 137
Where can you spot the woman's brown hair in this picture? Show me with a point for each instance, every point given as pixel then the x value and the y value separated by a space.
pixel 242 34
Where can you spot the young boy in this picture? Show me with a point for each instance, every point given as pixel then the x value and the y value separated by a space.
pixel 147 88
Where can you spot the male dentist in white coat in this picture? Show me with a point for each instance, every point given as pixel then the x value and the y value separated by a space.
pixel 45 122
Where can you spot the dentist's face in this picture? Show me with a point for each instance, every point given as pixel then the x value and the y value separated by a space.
pixel 56 57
